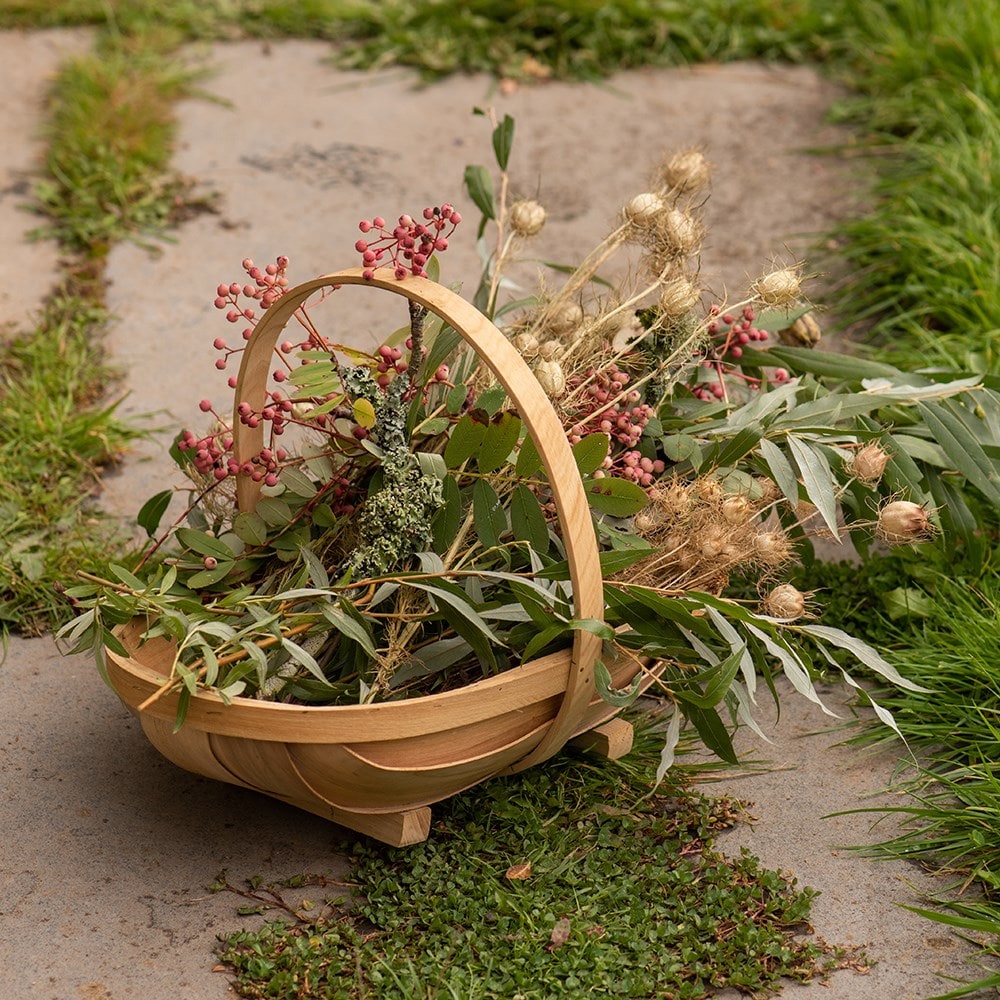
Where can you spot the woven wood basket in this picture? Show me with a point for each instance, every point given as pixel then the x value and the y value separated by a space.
pixel 377 768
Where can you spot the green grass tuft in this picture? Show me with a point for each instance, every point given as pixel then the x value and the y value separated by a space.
pixel 56 433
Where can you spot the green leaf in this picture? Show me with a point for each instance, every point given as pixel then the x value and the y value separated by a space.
pixel 456 397
pixel 203 543
pixel 679 447
pixel 863 652
pixel 434 426
pixel 250 528
pixel 479 184
pixel 528 460
pixel 297 483
pixel 128 578
pixel 207 577
pixel 488 514
pixel 466 439
pixel 712 731
pixel 503 140
pixel 543 639
pixel 618 697
pixel 453 603
pixel 716 680
pixel 907 602
pixel 304 658
pixel 356 631
pixel 527 519
pixel 448 518
pixel 614 496
pixel 591 451
pixel 818 480
pixel 183 702
pixel 732 450
pixel 498 442
pixel 781 470
pixel 152 511
pixel 963 449
pixel 823 363
pixel 275 512
pixel 492 399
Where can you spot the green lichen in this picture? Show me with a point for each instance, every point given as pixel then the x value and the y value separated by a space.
pixel 394 522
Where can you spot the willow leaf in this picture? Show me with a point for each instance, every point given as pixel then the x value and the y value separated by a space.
pixel 817 478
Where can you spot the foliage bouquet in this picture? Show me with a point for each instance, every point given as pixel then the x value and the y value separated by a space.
pixel 404 537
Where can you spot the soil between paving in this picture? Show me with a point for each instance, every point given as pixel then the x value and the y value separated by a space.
pixel 107 849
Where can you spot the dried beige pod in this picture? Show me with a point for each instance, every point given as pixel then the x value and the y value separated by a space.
pixel 869 462
pixel 551 377
pixel 782 287
pixel 644 209
pixel 526 344
pixel 785 601
pixel 708 489
pixel 804 332
pixel 564 319
pixel 527 217
pixel 678 296
pixel 737 509
pixel 902 521
pixel 649 521
pixel 711 541
pixel 681 232
pixel 550 350
pixel 688 170
pixel 674 501
pixel 772 547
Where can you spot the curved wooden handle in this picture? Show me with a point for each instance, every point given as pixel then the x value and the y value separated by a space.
pixel 540 419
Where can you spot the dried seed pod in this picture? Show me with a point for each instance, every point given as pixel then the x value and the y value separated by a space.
pixel 551 377
pixel 737 509
pixel 564 319
pixel 644 209
pixel 550 350
pixel 680 232
pixel 674 500
pixel 527 345
pixel 527 217
pixel 782 287
pixel 869 462
pixel 785 601
pixel 901 521
pixel 804 332
pixel 772 548
pixel 687 170
pixel 649 521
pixel 711 541
pixel 708 490
pixel 678 296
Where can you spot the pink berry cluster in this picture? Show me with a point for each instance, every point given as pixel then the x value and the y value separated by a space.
pixel 212 455
pixel 730 335
pixel 408 246
pixel 390 360
pixel 268 284
pixel 610 407
pixel 637 467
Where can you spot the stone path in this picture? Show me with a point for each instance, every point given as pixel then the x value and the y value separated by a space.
pixel 106 849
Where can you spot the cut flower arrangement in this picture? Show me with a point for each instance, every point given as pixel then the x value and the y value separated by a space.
pixel 370 529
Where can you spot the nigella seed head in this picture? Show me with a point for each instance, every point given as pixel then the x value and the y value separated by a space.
pixel 902 521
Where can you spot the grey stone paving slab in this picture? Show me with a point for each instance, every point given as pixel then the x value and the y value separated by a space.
pixel 28 268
